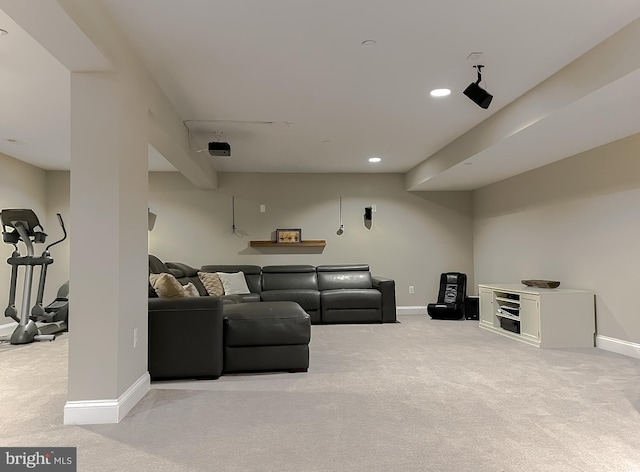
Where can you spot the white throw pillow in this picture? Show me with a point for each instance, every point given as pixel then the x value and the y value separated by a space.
pixel 190 290
pixel 234 284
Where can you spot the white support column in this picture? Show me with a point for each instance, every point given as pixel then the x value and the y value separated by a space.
pixel 108 262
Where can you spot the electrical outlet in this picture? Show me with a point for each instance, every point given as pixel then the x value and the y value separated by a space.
pixel 135 338
pixel 263 208
pixel 412 290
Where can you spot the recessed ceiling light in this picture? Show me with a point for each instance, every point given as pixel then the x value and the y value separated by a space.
pixel 374 159
pixel 367 43
pixel 441 92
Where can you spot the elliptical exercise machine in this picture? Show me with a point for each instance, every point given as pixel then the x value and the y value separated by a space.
pixel 43 322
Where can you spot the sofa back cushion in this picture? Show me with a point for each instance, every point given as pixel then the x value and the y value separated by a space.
pixel 350 276
pixel 289 277
pixel 185 274
pixel 156 266
pixel 251 273
pixel 187 270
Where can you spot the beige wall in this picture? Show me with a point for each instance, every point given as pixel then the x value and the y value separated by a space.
pixel 414 237
pixel 576 221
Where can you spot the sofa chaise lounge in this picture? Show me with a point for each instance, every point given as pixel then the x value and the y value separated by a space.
pixel 204 336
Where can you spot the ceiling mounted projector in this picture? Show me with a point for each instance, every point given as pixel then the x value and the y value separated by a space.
pixel 219 149
pixel 480 96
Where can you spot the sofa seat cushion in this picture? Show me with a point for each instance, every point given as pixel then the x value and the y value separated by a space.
pixel 241 298
pixel 307 299
pixel 351 306
pixel 350 299
pixel 266 324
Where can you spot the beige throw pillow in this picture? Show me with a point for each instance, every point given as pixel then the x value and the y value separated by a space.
pixel 166 286
pixel 212 283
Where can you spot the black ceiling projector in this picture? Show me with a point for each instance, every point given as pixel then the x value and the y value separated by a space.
pixel 219 149
pixel 480 96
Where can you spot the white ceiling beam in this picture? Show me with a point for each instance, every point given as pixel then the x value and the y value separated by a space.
pixel 50 25
pixel 82 35
pixel 606 63
pixel 193 166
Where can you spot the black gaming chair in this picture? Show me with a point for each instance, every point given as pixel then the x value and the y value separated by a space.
pixel 451 297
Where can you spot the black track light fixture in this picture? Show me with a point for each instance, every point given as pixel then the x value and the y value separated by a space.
pixel 480 96
pixel 340 231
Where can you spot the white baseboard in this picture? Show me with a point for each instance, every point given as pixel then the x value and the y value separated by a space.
pixel 107 411
pixel 8 328
pixel 411 310
pixel 618 346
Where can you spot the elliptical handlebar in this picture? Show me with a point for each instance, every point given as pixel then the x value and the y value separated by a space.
pixel 64 231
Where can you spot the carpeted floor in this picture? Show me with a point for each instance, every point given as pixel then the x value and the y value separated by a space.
pixel 421 395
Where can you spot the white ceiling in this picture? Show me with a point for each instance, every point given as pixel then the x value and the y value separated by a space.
pixel 290 86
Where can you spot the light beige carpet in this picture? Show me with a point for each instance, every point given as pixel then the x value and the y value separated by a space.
pixel 421 395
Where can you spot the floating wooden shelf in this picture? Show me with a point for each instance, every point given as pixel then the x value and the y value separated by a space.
pixel 307 243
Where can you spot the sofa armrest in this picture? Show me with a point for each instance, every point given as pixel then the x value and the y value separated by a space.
pixel 387 288
pixel 185 338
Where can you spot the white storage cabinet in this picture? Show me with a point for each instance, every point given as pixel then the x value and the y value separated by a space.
pixel 551 318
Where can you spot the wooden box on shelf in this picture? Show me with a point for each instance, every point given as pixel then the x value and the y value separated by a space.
pixel 289 236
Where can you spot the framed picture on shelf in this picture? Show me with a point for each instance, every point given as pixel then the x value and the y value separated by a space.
pixel 288 236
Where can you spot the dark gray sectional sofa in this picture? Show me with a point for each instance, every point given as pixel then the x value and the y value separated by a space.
pixel 341 293
pixel 268 329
